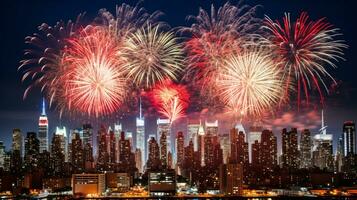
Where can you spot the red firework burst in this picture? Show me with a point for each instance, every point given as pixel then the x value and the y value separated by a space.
pixel 304 48
pixel 92 75
pixel 215 36
pixel 171 100
pixel 207 53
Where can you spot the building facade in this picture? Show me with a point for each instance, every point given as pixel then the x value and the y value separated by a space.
pixel 43 129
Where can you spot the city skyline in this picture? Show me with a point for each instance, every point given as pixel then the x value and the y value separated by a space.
pixel 229 165
pixel 249 131
pixel 129 125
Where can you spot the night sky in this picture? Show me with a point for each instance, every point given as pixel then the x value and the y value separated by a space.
pixel 21 18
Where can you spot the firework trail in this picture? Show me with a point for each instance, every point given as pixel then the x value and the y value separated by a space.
pixel 93 77
pixel 216 36
pixel 171 100
pixel 42 60
pixel 152 56
pixel 304 48
pixel 127 19
pixel 249 83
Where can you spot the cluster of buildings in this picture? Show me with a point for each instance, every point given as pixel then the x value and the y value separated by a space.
pixel 201 160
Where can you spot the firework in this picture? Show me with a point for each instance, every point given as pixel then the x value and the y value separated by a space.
pixel 127 19
pixel 170 99
pixel 304 49
pixel 42 59
pixel 152 56
pixel 93 77
pixel 249 83
pixel 215 37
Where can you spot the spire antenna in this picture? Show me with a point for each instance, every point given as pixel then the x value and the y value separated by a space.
pixel 43 107
pixel 323 126
pixel 140 109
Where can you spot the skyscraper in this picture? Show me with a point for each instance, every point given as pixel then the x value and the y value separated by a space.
pixel 256 154
pixel 43 129
pixel 71 135
pixel 322 151
pixel 189 156
pixel 239 148
pixel 349 138
pixel 339 158
pixel 201 145
pixel 163 149
pixel 2 155
pixel 208 150
pixel 103 156
pixel 140 135
pixel 147 145
pixel 290 156
pixel 226 147
pixel 180 149
pixel 138 161
pixel 322 148
pixel 231 179
pixel 217 153
pixel 153 162
pixel 87 134
pixel 163 126
pixel 118 128
pixel 305 149
pixel 7 161
pixel 17 140
pixel 255 133
pixel 16 154
pixel 32 148
pixel 111 145
pixel 77 153
pixel 57 154
pixel 88 156
pixel 268 146
pixel 124 151
pixel 192 131
pixel 169 160
pixel 61 132
pixel 212 128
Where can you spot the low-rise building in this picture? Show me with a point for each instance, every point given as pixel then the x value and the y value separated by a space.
pixel 88 184
pixel 118 182
pixel 162 183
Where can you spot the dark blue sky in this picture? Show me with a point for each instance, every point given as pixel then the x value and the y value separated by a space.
pixel 21 18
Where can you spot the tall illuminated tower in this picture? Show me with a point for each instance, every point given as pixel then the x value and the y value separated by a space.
pixel 348 143
pixel 87 134
pixel 349 138
pixel 163 126
pixel 255 133
pixel 163 149
pixel 322 148
pixel 118 128
pixel 17 140
pixel 180 148
pixel 192 132
pixel 290 148
pixel 305 149
pixel 212 128
pixel 43 129
pixel 140 134
pixel 61 133
pixel 2 154
pixel 201 145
